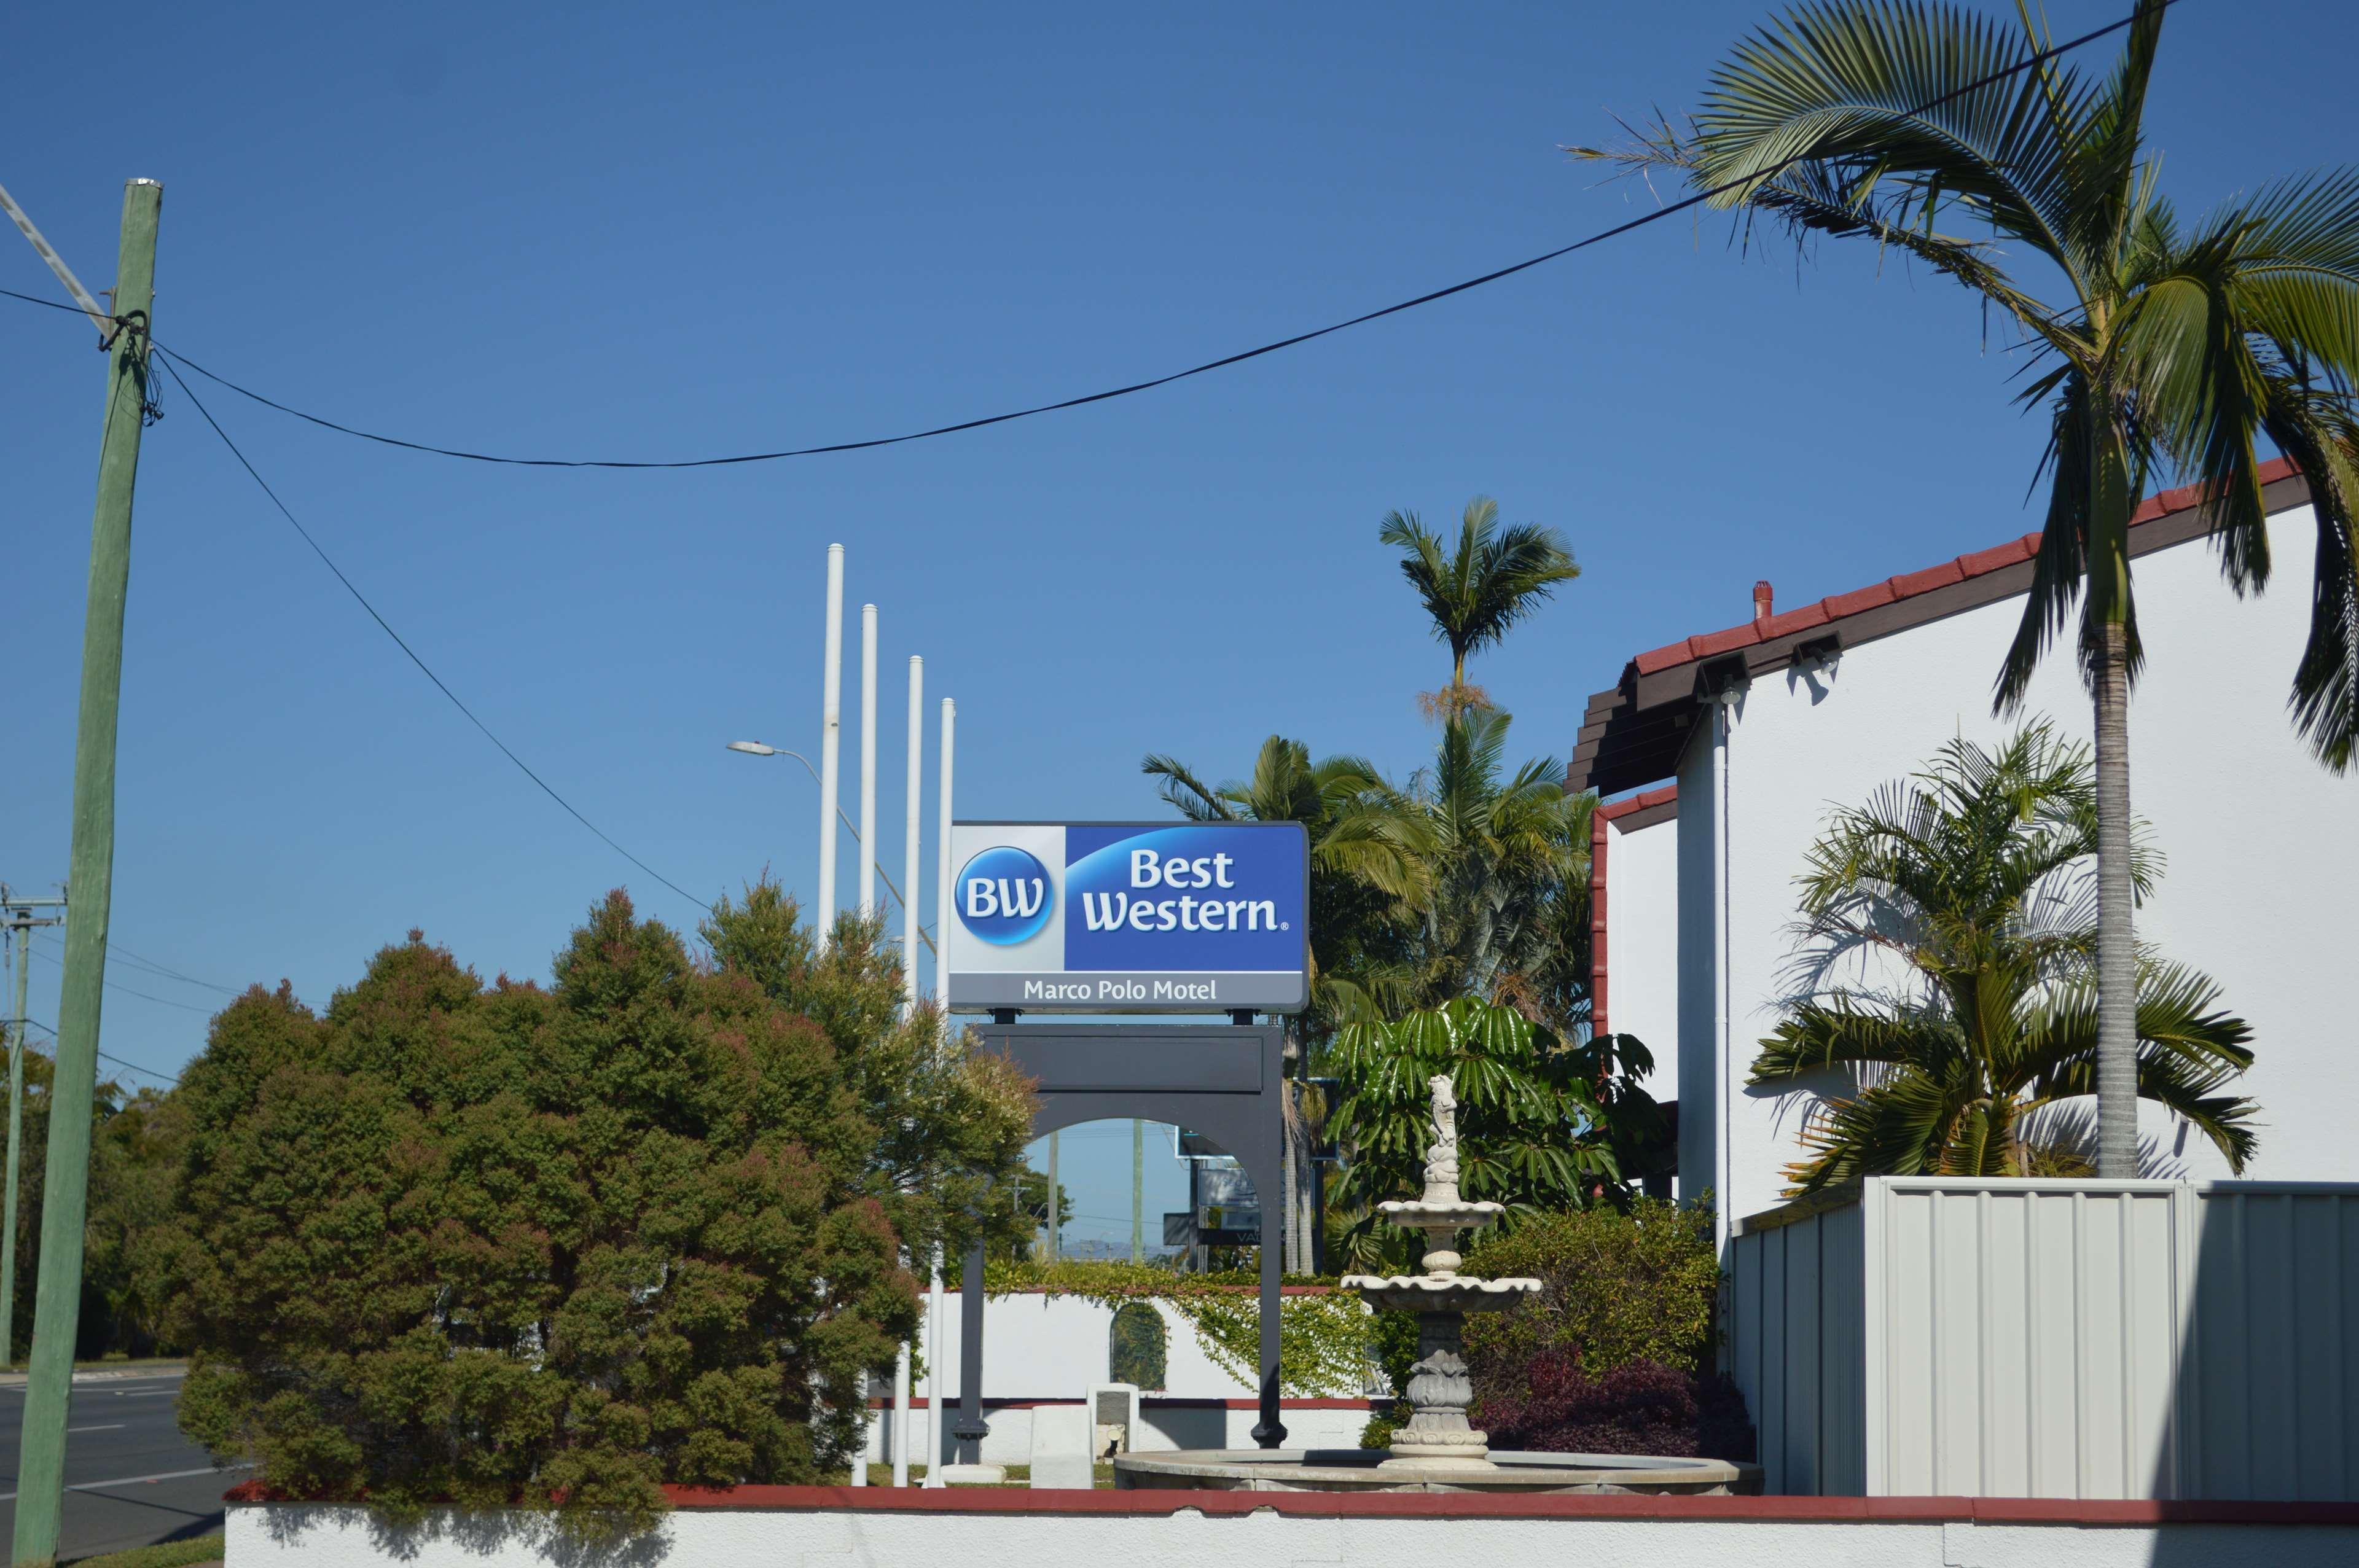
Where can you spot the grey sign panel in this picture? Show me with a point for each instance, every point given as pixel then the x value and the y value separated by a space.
pixel 1077 1059
pixel 1144 991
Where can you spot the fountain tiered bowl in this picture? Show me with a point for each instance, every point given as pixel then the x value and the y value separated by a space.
pixel 1436 1449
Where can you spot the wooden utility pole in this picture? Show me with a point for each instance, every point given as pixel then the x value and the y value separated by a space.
pixel 65 1195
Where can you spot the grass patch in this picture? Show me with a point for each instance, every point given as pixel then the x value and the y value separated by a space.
pixel 170 1554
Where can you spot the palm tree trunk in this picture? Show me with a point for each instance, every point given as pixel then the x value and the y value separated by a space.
pixel 2116 952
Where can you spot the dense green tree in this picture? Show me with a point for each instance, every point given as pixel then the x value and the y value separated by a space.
pixel 2165 348
pixel 1477 590
pixel 1950 940
pixel 499 1243
pixel 132 1156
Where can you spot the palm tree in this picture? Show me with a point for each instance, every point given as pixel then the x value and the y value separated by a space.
pixel 1973 876
pixel 1506 919
pixel 2168 349
pixel 1370 863
pixel 1534 1132
pixel 1369 873
pixel 1492 580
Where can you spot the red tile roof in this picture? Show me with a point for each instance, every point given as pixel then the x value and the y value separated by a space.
pixel 1907 586
pixel 1640 802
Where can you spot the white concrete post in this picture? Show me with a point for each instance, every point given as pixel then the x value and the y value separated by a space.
pixel 867 762
pixel 830 739
pixel 901 1416
pixel 934 1353
pixel 911 833
pixel 858 1477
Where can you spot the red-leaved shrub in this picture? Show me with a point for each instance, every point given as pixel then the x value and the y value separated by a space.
pixel 1549 1403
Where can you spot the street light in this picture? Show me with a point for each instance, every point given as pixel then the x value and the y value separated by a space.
pixel 756 749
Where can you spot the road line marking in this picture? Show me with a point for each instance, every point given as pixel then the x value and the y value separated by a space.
pixel 136 1480
pixel 116 1426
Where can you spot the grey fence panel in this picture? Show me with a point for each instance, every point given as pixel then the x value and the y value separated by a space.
pixel 2084 1339
pixel 2269 1390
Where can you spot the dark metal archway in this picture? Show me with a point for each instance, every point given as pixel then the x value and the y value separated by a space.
pixel 1225 1082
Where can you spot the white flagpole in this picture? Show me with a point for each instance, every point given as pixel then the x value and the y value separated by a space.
pixel 910 847
pixel 830 738
pixel 943 872
pixel 937 1323
pixel 867 762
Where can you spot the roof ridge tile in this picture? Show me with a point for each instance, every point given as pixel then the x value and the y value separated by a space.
pixel 1909 585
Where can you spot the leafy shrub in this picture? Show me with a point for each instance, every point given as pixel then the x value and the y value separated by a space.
pixel 1552 1405
pixel 1617 1288
pixel 1135 1349
pixel 505 1244
pixel 1533 1132
pixel 1614 1355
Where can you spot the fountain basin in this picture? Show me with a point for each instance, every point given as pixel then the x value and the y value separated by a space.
pixel 1375 1470
pixel 1431 1292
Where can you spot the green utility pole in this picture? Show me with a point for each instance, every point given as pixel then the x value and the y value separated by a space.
pixel 1055 1236
pixel 1137 1191
pixel 21 920
pixel 65 1194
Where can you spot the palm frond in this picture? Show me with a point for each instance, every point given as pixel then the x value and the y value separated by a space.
pixel 1843 1032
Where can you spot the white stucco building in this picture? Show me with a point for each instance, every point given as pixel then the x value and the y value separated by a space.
pixel 1766 726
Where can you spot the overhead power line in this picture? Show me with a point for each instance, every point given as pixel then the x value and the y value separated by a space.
pixel 118 1060
pixel 1431 297
pixel 118 986
pixel 399 642
pixel 163 971
pixel 149 966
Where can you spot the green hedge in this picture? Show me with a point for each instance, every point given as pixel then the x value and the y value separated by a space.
pixel 1619 1287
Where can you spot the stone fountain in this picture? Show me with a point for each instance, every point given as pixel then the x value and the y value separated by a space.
pixel 1437 1434
pixel 1436 1449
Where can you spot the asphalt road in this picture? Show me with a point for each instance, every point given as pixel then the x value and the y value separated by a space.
pixel 131 1479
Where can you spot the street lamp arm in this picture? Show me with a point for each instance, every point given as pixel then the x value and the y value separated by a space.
pixel 756 749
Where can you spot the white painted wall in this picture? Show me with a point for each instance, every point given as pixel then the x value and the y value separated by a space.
pixel 2261 843
pixel 1163 1427
pixel 1042 1347
pixel 1039 1346
pixel 323 1537
pixel 1642 943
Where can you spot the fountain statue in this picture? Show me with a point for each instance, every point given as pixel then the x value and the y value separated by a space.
pixel 1436 1449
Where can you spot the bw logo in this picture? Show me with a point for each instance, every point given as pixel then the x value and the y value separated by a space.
pixel 1004 896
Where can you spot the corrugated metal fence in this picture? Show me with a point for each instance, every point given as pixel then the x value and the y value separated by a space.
pixel 1992 1337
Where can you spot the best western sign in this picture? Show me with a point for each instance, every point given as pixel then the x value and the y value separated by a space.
pixel 1129 917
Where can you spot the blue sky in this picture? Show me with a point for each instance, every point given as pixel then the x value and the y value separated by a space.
pixel 674 231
